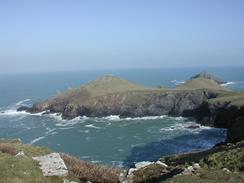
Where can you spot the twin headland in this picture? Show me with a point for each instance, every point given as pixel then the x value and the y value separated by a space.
pixel 202 98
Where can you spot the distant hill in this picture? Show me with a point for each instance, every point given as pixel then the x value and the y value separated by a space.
pixel 104 85
pixel 206 75
pixel 111 84
pixel 203 80
pixel 200 83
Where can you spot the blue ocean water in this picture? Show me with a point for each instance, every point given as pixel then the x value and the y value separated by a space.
pixel 106 140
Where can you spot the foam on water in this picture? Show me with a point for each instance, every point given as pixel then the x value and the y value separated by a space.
pixel 66 122
pixel 92 126
pixel 235 85
pixel 37 139
pixel 186 125
pixel 118 118
pixel 14 112
pixel 229 83
pixel 49 131
pixel 176 82
pixel 22 102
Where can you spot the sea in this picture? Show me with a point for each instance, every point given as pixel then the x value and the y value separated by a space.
pixel 110 140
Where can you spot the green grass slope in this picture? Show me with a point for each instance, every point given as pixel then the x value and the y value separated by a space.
pixel 233 98
pixel 223 163
pixel 200 83
pixel 214 163
pixel 25 170
pixel 111 84
pixel 104 85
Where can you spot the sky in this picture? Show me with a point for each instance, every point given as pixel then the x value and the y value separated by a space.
pixel 57 35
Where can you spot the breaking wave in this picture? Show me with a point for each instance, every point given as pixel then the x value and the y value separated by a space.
pixel 118 118
pixel 37 139
pixel 234 83
pixel 92 126
pixel 190 126
pixel 176 82
pixel 49 131
pixel 12 112
pixel 22 102
pixel 58 116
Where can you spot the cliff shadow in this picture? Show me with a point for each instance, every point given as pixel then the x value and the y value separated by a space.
pixel 152 151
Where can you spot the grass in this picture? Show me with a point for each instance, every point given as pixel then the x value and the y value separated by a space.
pixel 200 83
pixel 25 170
pixel 28 149
pixel 208 176
pixel 111 84
pixel 233 98
pixel 212 162
pixel 102 86
pixel 154 173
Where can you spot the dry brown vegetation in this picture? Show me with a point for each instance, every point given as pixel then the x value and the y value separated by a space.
pixel 5 148
pixel 90 172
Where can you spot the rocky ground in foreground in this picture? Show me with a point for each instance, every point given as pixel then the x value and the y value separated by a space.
pixel 25 163
pixel 224 163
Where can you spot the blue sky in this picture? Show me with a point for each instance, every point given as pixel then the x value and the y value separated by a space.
pixel 52 35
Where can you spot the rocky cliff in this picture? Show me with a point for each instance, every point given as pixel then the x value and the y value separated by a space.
pixel 225 111
pixel 128 104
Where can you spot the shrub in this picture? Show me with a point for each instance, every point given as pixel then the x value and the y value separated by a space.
pixel 90 172
pixel 4 148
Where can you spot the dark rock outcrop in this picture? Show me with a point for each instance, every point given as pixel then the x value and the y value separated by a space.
pixel 222 115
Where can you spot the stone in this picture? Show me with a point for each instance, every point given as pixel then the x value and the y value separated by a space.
pixel 67 181
pixel 20 154
pixel 142 164
pixel 196 166
pixel 162 164
pixel 131 170
pixel 226 170
pixel 188 171
pixel 190 168
pixel 122 177
pixel 52 165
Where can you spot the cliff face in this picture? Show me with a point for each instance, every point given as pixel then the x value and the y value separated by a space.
pixel 129 104
pixel 223 112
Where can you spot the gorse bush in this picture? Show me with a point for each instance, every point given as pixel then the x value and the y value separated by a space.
pixel 90 172
pixel 4 148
